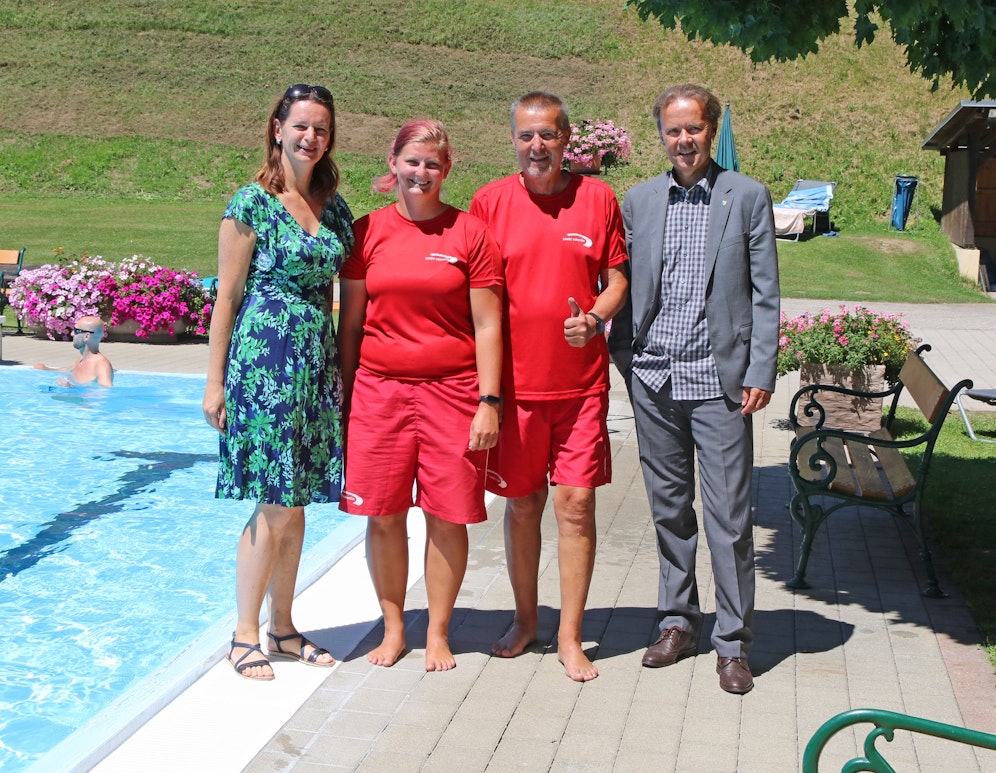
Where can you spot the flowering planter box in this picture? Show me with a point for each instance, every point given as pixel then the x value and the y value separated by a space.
pixel 851 338
pixel 150 299
pixel 594 144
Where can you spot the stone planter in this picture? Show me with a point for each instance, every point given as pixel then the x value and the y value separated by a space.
pixel 126 329
pixel 854 414
pixel 588 167
pixel 40 331
pixel 122 332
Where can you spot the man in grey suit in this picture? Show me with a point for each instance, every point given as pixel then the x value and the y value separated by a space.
pixel 697 344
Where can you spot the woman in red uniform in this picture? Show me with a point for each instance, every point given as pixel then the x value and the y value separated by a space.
pixel 420 340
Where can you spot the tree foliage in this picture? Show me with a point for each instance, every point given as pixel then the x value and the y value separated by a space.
pixel 942 38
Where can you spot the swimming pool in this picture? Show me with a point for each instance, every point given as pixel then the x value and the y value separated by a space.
pixel 116 561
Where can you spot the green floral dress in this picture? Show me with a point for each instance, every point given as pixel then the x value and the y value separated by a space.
pixel 283 391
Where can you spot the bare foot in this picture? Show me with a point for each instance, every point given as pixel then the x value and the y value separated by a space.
pixel 576 664
pixel 389 652
pixel 438 656
pixel 518 637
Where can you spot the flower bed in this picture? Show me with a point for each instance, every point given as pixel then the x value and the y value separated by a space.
pixel 157 298
pixel 852 339
pixel 610 143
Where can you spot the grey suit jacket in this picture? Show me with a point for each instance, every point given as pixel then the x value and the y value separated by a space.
pixel 742 296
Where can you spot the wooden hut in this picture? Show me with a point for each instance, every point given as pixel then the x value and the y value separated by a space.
pixel 967 140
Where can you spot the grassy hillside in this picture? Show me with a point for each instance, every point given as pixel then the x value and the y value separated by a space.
pixel 129 101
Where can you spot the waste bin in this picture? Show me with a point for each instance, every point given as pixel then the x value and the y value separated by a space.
pixel 902 200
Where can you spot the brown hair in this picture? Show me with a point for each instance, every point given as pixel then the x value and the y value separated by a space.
pixel 711 109
pixel 324 178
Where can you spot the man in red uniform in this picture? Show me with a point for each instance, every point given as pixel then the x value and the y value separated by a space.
pixel 562 243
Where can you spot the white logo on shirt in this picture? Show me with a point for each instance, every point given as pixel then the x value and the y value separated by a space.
pixel 579 238
pixel 498 479
pixel 442 258
pixel 356 499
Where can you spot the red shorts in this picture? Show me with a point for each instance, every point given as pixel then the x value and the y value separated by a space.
pixel 564 439
pixel 405 434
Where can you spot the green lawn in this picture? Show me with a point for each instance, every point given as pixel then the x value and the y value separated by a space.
pixel 958 505
pixel 184 234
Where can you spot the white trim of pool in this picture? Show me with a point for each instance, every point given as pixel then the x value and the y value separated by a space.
pixel 213 720
pixel 197 707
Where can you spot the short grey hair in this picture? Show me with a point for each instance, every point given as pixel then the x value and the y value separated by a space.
pixel 543 100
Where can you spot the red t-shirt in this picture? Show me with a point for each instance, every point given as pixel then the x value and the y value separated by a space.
pixel 553 247
pixel 418 277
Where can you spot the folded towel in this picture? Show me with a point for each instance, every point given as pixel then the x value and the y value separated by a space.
pixel 790 221
pixel 809 198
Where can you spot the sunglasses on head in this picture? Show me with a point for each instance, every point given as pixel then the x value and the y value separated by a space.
pixel 302 90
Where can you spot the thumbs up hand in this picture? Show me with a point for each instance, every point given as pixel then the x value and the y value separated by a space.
pixel 579 327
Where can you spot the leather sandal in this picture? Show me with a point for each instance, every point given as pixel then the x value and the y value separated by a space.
pixel 277 650
pixel 241 666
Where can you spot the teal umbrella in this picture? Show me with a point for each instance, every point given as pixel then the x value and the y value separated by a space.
pixel 726 150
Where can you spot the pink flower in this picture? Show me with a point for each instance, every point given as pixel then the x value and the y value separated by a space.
pixel 598 138
pixel 55 296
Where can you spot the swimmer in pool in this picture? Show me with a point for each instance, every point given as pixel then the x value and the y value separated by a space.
pixel 92 366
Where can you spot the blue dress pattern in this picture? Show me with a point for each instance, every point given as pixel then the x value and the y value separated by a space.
pixel 283 391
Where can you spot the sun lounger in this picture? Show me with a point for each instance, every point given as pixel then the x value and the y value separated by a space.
pixel 808 198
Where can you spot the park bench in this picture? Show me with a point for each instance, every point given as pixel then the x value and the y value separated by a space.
pixel 886 723
pixel 833 468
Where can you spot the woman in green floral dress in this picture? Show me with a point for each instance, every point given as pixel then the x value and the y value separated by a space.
pixel 273 387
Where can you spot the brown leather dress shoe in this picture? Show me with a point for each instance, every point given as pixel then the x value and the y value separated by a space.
pixel 734 675
pixel 671 646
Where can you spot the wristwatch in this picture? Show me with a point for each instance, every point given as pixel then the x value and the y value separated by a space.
pixel 599 322
pixel 490 399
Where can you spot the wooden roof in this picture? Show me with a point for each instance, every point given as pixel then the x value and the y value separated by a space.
pixel 971 126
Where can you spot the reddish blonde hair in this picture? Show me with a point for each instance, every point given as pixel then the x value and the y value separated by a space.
pixel 427 130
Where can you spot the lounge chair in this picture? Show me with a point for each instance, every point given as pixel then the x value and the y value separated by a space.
pixel 808 198
pixel 10 266
pixel 987 396
pixel 210 283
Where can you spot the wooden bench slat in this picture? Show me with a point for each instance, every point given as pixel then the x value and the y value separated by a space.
pixel 894 466
pixel 867 472
pixel 844 480
pixel 924 387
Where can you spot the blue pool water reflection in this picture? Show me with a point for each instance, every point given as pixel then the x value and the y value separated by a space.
pixel 114 555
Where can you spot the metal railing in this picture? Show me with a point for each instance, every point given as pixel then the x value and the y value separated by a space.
pixel 886 724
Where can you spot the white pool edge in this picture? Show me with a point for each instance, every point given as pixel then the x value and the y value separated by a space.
pixel 123 736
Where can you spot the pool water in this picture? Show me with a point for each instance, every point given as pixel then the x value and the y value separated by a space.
pixel 115 558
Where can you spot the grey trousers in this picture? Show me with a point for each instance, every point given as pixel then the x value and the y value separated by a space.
pixel 670 432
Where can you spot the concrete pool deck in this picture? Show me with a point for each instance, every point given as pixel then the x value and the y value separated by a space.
pixel 862 636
